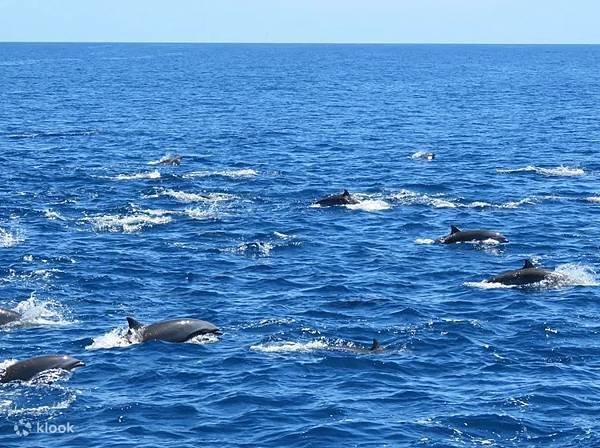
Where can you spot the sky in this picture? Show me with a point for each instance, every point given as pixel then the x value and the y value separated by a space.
pixel 310 21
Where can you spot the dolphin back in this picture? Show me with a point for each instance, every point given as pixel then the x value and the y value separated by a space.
pixel 27 369
pixel 177 330
pixel 521 277
pixel 7 316
pixel 461 236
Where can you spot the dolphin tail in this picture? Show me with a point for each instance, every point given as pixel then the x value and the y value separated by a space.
pixel 134 324
pixel 454 229
pixel 376 345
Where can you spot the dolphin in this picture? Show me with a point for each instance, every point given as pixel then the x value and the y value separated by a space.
pixel 28 368
pixel 374 348
pixel 176 330
pixel 338 199
pixel 423 155
pixel 460 236
pixel 528 274
pixel 8 316
pixel 171 159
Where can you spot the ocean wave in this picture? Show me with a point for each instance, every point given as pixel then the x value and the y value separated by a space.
pixel 561 171
pixel 144 175
pixel 593 199
pixel 10 238
pixel 133 223
pixel 197 197
pixel 233 174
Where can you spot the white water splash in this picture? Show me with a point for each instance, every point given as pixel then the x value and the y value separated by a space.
pixel 10 239
pixel 424 241
pixel 34 311
pixel 145 175
pixel 412 198
pixel 575 274
pixel 561 171
pixel 288 346
pixel 593 199
pixel 198 197
pixel 203 214
pixel 233 174
pixel 369 205
pixel 112 339
pixel 53 215
pixel 127 223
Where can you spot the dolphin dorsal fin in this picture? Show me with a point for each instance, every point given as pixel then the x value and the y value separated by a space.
pixel 134 324
pixel 454 229
pixel 376 345
pixel 346 193
pixel 528 264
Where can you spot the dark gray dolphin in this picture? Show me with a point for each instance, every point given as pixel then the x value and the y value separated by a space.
pixel 8 316
pixel 527 275
pixel 374 348
pixel 171 159
pixel 460 236
pixel 28 368
pixel 176 330
pixel 338 199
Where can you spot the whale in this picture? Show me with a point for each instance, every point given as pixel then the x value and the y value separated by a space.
pixel 28 368
pixel 338 199
pixel 527 275
pixel 460 236
pixel 175 330
pixel 8 316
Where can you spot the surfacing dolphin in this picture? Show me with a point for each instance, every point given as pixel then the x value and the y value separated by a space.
pixel 171 159
pixel 460 236
pixel 423 155
pixel 375 347
pixel 338 199
pixel 28 368
pixel 8 316
pixel 527 275
pixel 176 330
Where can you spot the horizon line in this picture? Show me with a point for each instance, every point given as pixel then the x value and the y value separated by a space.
pixel 290 43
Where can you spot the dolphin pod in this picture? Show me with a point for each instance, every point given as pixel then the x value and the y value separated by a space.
pixel 527 275
pixel 176 330
pixel 338 199
pixel 28 368
pixel 8 316
pixel 460 236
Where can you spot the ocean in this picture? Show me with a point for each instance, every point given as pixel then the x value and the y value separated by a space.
pixel 94 229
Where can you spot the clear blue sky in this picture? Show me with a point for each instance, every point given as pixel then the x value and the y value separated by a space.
pixel 425 21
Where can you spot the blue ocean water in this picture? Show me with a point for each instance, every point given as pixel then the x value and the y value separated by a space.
pixel 93 229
